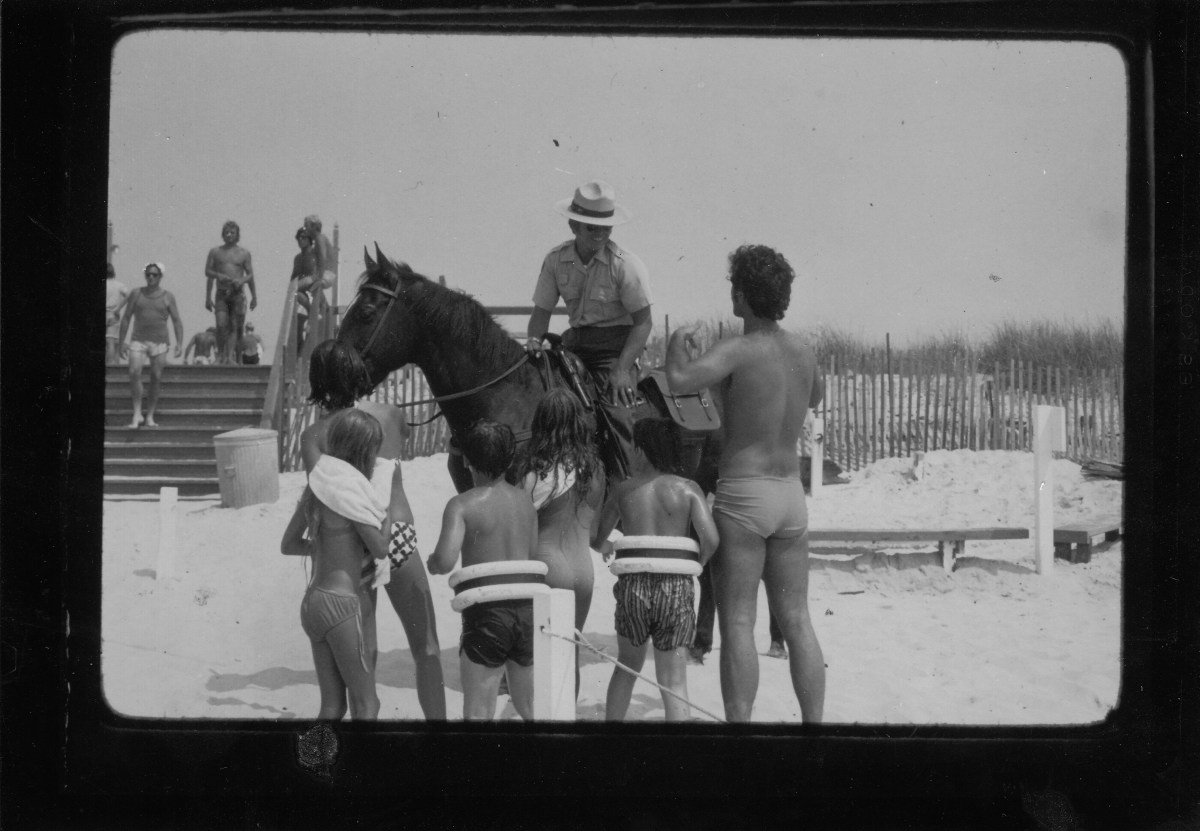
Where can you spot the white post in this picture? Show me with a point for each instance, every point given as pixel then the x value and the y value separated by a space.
pixel 816 472
pixel 554 658
pixel 1049 434
pixel 165 564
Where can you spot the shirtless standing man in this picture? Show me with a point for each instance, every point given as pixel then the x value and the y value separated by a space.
pixel 228 265
pixel 768 380
pixel 149 308
pixel 324 271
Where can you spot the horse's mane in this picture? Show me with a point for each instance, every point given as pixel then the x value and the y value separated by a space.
pixel 455 313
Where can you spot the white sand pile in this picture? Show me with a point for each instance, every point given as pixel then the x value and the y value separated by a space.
pixel 992 643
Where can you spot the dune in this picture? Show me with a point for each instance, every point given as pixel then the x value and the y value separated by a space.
pixel 992 643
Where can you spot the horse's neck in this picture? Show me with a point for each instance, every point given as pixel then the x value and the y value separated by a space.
pixel 454 366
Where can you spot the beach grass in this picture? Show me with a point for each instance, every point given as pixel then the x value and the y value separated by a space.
pixel 1083 346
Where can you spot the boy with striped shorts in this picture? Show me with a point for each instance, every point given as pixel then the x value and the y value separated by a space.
pixel 655 563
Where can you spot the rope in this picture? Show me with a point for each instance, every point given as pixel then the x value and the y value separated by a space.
pixel 580 640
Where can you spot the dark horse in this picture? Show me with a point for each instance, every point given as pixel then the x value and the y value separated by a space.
pixel 474 368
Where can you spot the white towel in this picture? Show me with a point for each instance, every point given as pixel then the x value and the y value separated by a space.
pixel 549 486
pixel 345 490
pixel 361 501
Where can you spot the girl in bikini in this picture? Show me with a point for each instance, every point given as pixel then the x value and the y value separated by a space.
pixel 337 612
pixel 564 476
pixel 338 379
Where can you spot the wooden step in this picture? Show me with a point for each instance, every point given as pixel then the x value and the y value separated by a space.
pixel 197 398
pixel 182 449
pixel 188 486
pixel 168 433
pixel 217 420
pixel 163 468
pixel 195 375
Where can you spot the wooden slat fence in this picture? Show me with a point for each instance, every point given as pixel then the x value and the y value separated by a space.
pixel 407 384
pixel 919 406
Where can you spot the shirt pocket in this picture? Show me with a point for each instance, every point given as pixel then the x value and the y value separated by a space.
pixel 569 288
pixel 604 290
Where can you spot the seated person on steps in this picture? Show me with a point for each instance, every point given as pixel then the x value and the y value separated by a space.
pixel 492 522
pixel 655 606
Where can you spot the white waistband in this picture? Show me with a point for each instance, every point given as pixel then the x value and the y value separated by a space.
pixel 530 567
pixel 655 565
pixel 651 541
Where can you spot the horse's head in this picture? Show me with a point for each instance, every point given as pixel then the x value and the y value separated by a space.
pixel 379 323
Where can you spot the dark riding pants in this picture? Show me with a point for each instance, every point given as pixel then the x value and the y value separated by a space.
pixel 599 347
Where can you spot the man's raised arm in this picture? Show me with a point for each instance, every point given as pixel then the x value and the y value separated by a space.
pixel 685 375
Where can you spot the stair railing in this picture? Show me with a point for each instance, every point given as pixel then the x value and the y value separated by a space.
pixel 283 370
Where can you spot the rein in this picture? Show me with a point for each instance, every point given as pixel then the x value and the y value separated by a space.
pixel 437 399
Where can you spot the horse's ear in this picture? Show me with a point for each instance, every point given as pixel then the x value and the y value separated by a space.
pixel 379 255
pixel 367 259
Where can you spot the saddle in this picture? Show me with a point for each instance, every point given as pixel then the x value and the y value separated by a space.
pixel 694 414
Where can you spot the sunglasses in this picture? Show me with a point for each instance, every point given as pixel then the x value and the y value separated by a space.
pixel 153 273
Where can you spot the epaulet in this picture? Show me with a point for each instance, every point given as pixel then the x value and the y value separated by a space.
pixel 563 245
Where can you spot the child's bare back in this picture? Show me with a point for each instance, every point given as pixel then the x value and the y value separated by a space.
pixel 500 524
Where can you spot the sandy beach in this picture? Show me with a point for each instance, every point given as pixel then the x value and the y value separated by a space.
pixel 991 643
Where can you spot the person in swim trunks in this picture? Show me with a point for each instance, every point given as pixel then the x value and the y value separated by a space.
pixel 229 267
pixel 653 606
pixel 492 522
pixel 149 308
pixel 337 380
pixel 767 379
pixel 337 612
pixel 115 295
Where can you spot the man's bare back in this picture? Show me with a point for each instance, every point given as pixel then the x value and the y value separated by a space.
pixel 764 408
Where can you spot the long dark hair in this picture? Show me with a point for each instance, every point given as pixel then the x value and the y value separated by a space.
pixel 337 376
pixel 562 437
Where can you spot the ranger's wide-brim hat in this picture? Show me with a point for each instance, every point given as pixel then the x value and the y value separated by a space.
pixel 593 203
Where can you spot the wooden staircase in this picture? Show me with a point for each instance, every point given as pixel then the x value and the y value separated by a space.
pixel 195 403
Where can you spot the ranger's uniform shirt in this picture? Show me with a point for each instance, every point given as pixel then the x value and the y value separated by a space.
pixel 603 292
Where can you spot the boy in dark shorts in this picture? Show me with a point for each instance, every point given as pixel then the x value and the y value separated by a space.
pixel 492 522
pixel 658 509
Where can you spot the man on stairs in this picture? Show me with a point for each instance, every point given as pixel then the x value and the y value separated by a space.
pixel 149 308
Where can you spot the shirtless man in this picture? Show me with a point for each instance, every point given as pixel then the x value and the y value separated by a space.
pixel 201 347
pixel 304 270
pixel 228 265
pixel 768 380
pixel 149 308
pixel 325 262
pixel 492 522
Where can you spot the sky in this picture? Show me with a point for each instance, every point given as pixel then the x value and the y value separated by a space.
pixel 917 187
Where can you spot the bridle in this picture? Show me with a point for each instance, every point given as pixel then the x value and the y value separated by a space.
pixel 437 399
pixel 392 296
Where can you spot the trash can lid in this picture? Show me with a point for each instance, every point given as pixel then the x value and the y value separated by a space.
pixel 245 434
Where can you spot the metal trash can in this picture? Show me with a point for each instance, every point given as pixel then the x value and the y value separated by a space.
pixel 247 466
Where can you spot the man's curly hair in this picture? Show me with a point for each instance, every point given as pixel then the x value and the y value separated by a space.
pixel 764 277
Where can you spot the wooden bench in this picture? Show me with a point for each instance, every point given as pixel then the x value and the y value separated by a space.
pixel 956 536
pixel 1074 542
